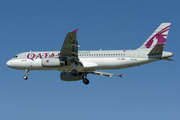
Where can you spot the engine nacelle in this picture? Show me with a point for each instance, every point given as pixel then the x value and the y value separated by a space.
pixel 68 76
pixel 52 62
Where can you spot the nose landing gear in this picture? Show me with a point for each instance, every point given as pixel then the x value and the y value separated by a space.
pixel 25 76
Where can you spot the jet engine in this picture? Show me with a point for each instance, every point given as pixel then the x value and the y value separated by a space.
pixel 68 76
pixel 52 62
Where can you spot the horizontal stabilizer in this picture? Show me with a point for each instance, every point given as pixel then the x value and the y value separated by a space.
pixel 157 50
pixel 168 59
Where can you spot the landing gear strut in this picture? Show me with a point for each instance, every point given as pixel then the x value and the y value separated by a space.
pixel 25 76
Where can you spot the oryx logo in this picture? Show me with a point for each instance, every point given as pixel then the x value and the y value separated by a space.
pixel 47 61
pixel 159 38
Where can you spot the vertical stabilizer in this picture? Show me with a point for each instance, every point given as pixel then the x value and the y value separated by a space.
pixel 159 36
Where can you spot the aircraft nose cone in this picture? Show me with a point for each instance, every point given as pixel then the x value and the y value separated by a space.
pixel 9 63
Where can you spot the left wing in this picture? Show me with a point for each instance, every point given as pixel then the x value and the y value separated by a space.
pixel 105 74
pixel 69 50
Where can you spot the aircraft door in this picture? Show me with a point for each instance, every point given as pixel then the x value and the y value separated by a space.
pixel 133 55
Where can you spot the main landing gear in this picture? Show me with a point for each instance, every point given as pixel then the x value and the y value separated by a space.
pixel 84 77
pixel 85 81
pixel 74 72
pixel 25 76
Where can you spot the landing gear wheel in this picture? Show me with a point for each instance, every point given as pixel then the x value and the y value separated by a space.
pixel 85 81
pixel 74 72
pixel 25 77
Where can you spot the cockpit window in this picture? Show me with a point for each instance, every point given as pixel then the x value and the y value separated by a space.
pixel 15 56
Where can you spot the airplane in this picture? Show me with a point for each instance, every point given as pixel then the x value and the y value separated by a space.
pixel 75 65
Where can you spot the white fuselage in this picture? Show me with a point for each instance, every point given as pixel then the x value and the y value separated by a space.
pixel 91 60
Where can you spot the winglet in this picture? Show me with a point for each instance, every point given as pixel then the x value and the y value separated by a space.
pixel 121 75
pixel 75 31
